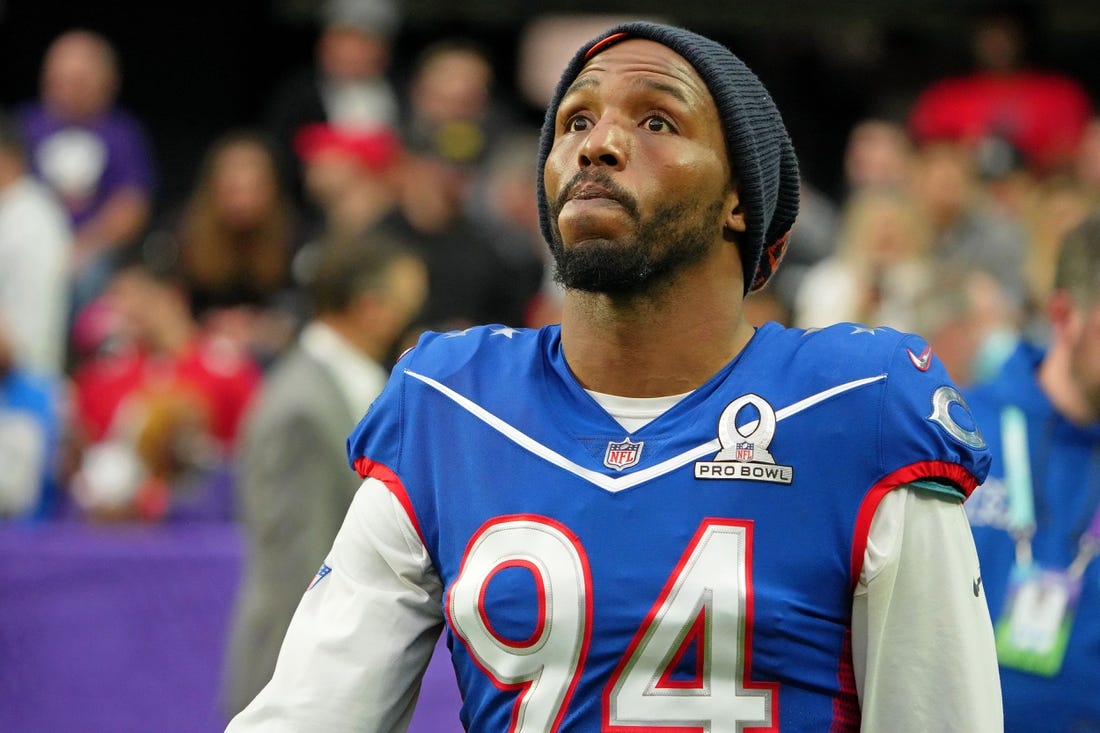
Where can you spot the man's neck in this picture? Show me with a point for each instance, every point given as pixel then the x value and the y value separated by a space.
pixel 659 345
pixel 345 327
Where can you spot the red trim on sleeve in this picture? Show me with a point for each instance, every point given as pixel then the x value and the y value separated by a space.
pixel 367 468
pixel 952 472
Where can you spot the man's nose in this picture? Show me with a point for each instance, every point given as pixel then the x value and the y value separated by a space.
pixel 607 144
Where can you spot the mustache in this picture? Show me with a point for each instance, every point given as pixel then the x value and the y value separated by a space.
pixel 600 178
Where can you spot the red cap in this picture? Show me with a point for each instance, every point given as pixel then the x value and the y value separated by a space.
pixel 376 149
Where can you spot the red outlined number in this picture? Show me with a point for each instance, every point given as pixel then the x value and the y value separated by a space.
pixel 705 608
pixel 706 604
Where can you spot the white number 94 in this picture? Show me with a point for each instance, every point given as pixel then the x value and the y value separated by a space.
pixel 705 604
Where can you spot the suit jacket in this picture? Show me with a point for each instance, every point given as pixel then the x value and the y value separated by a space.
pixel 293 487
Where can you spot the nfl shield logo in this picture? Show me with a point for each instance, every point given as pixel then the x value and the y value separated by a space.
pixel 622 455
pixel 745 451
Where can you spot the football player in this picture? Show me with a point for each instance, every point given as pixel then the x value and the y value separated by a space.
pixel 654 516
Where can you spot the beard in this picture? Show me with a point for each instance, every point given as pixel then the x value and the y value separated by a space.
pixel 675 236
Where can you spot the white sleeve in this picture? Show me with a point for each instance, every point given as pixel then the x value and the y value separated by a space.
pixel 922 641
pixel 361 638
pixel 34 286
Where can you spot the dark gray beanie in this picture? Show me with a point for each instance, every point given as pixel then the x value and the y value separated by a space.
pixel 759 148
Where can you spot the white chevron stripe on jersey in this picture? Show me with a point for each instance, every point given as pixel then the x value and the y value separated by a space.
pixel 619 483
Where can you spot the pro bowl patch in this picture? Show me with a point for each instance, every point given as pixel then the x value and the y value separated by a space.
pixel 744 454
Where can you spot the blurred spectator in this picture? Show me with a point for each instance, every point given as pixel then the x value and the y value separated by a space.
pixel 1040 113
pixel 1004 176
pixel 453 123
pixel 1036 519
pixel 1087 169
pixel 95 156
pixel 348 85
pixel 469 279
pixel 1057 205
pixel 504 201
pixel 30 426
pixel 813 238
pixel 293 477
pixel 968 233
pixel 35 247
pixel 452 107
pixel 974 315
pixel 547 42
pixel 235 238
pixel 351 176
pixel 880 270
pixel 878 154
pixel 157 410
pixel 970 323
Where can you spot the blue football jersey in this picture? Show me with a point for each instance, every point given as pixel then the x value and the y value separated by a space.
pixel 695 574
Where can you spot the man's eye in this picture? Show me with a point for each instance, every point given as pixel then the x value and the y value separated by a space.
pixel 657 124
pixel 577 124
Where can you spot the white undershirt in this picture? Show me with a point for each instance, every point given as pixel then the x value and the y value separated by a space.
pixel 634 413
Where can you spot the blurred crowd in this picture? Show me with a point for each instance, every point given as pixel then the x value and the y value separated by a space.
pixel 140 337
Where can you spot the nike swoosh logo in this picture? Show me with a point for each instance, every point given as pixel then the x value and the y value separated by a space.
pixel 923 361
pixel 977 586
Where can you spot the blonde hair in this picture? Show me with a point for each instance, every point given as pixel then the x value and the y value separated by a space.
pixel 855 240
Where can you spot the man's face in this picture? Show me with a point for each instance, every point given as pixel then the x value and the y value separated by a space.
pixel 1083 335
pixel 350 55
pixel 637 181
pixel 78 76
pixel 244 186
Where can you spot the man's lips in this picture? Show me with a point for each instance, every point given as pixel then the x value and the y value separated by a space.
pixel 589 191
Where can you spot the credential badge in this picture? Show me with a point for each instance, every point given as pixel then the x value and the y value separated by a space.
pixel 744 453
pixel 622 455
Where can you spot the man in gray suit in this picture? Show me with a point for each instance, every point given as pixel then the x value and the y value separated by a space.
pixel 294 485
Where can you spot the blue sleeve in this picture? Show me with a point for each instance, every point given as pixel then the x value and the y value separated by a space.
pixel 927 429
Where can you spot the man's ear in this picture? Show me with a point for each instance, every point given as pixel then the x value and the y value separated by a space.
pixel 735 215
pixel 1059 310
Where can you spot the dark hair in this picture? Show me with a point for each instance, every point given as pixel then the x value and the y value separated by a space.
pixel 347 269
pixel 214 256
pixel 453 44
pixel 1078 268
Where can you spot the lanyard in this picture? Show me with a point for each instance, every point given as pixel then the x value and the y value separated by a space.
pixel 1021 497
